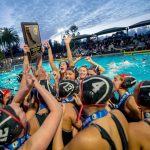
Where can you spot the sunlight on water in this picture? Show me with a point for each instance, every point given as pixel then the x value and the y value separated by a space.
pixel 137 65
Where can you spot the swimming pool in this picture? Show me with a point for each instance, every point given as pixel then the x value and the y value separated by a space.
pixel 137 65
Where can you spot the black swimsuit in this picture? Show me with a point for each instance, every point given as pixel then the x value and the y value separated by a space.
pixel 106 136
pixel 67 136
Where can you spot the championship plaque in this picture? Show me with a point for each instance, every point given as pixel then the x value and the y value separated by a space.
pixel 32 38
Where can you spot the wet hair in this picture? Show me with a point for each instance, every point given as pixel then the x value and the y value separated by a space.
pixel 74 70
pixel 95 68
pixel 68 88
pixel 47 86
pixel 65 62
pixel 84 66
pixel 144 93
pixel 96 90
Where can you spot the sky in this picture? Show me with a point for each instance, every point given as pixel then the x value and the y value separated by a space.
pixel 89 15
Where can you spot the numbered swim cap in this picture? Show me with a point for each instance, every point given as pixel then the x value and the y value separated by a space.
pixel 144 93
pixel 68 88
pixel 96 90
pixel 10 125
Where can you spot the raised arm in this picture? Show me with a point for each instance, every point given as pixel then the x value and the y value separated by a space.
pixel 44 135
pixel 25 60
pixel 50 57
pixel 25 64
pixel 89 59
pixel 67 41
pixel 77 59
pixel 56 79
pixel 24 90
pixel 58 141
pixel 39 60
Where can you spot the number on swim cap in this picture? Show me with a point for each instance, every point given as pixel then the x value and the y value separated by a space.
pixel 4 134
pixel 96 86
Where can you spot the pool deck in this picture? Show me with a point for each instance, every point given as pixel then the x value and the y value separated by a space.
pixel 121 53
pixel 102 55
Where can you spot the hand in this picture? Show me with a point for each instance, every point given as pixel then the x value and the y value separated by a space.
pixel 47 76
pixel 55 75
pixel 46 44
pixel 68 39
pixel 89 59
pixel 27 70
pixel 30 79
pixel 34 72
pixel 77 99
pixel 26 49
pixel 43 49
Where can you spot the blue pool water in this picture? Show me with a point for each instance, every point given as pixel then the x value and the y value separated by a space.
pixel 114 64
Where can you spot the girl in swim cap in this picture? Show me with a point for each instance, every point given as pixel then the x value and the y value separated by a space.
pixel 68 91
pixel 16 132
pixel 6 96
pixel 139 132
pixel 63 65
pixel 95 69
pixel 71 73
pixel 126 103
pixel 99 124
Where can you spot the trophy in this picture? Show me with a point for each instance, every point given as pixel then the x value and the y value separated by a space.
pixel 32 38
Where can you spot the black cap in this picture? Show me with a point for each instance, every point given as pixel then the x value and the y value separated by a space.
pixel 144 93
pixel 68 88
pixel 96 90
pixel 10 128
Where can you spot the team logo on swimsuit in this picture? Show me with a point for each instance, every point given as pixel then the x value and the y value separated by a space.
pixel 94 116
pixel 15 144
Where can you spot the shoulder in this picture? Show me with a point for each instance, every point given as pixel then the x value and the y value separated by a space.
pixel 139 128
pixel 70 111
pixel 121 118
pixel 88 138
pixel 130 98
pixel 119 115
pixel 139 134
pixel 131 101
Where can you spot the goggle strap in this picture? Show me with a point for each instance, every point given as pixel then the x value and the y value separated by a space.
pixel 9 114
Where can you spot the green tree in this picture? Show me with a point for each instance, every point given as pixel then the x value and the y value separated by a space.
pixel 9 39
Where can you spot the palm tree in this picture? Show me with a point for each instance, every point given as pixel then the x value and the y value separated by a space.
pixel 10 38
pixel 73 29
